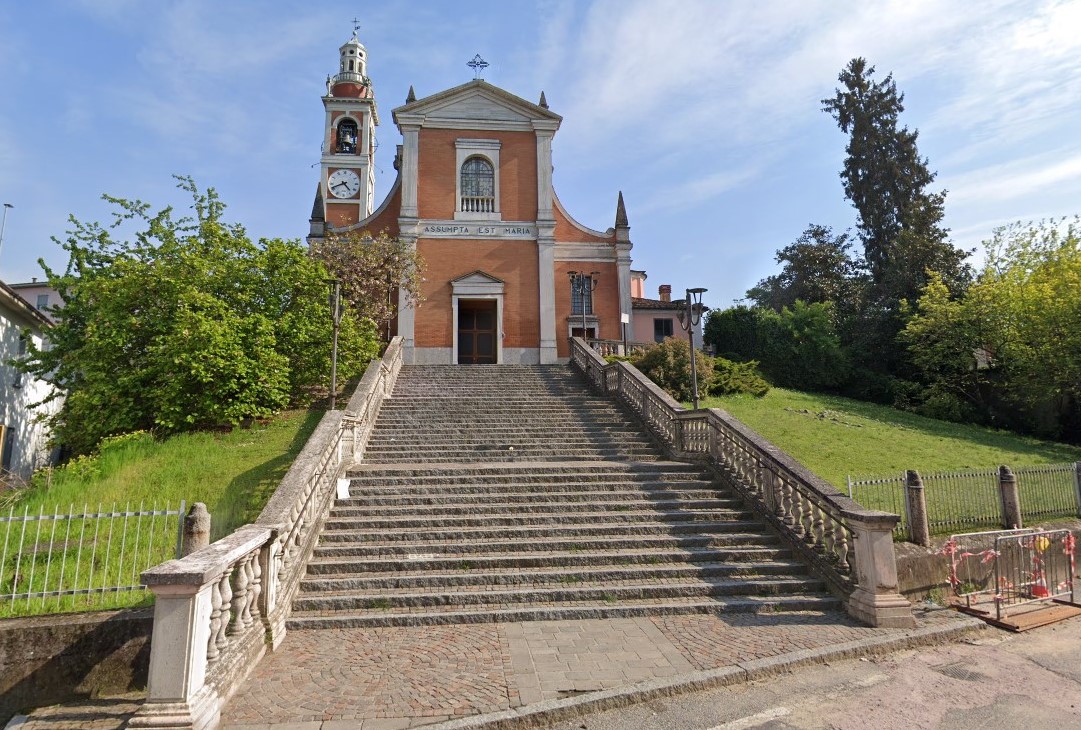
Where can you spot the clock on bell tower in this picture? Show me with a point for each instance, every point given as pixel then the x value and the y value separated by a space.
pixel 347 172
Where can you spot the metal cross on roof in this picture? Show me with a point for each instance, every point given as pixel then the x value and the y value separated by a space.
pixel 478 65
pixel 356 26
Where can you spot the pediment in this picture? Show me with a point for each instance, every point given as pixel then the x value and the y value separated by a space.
pixel 477 284
pixel 477 277
pixel 477 101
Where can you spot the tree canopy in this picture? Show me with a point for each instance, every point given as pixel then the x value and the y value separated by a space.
pixel 177 323
pixel 888 182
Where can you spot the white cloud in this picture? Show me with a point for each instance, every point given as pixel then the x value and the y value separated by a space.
pixel 1018 178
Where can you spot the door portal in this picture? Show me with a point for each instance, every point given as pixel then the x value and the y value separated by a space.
pixel 476 331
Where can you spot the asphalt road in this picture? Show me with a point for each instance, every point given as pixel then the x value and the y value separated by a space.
pixel 993 681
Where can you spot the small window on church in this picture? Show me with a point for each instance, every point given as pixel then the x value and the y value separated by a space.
pixel 478 186
pixel 347 136
pixel 582 297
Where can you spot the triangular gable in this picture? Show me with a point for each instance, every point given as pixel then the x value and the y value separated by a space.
pixel 477 277
pixel 477 284
pixel 477 99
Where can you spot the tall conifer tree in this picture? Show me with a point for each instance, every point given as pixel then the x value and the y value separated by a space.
pixel 900 218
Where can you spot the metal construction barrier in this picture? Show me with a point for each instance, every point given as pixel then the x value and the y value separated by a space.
pixel 992 573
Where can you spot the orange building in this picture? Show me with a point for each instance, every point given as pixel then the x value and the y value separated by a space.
pixel 509 274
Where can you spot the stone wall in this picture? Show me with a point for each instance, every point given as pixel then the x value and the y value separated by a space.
pixel 49 659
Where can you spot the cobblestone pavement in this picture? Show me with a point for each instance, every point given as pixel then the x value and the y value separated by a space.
pixel 391 678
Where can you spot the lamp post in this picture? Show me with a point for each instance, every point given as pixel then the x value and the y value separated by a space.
pixel 581 283
pixel 688 320
pixel 4 222
pixel 335 301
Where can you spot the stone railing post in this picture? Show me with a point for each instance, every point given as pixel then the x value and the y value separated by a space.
pixel 177 695
pixel 1077 485
pixel 919 531
pixel 1011 498
pixel 876 600
pixel 196 529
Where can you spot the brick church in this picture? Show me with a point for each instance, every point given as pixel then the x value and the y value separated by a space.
pixel 509 274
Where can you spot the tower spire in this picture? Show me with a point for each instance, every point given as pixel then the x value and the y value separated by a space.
pixel 621 213
pixel 411 96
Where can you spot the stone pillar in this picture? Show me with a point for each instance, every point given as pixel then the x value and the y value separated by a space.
pixel 1077 485
pixel 1011 499
pixel 919 530
pixel 623 267
pixel 547 285
pixel 406 311
pixel 876 600
pixel 178 697
pixel 411 151
pixel 196 530
pixel 544 132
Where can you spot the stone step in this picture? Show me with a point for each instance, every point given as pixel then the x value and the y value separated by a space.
pixel 570 451
pixel 537 532
pixel 657 470
pixel 564 559
pixel 419 438
pixel 466 576
pixel 535 503
pixel 424 549
pixel 583 519
pixel 566 611
pixel 375 494
pixel 360 600
pixel 508 457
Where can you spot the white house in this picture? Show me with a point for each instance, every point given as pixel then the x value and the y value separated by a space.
pixel 23 434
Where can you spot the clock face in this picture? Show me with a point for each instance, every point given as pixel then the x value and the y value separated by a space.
pixel 343 184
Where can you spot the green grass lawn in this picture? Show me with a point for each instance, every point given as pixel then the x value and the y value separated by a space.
pixel 233 473
pixel 836 437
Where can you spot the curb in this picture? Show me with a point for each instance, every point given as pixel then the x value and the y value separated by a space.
pixel 541 714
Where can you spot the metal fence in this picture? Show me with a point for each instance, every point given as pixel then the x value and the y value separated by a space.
pixel 72 560
pixel 962 500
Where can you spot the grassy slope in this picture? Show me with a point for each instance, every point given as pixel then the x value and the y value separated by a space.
pixel 835 437
pixel 233 473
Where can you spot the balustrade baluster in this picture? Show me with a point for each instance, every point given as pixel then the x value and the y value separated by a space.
pixel 226 608
pixel 818 527
pixel 789 504
pixel 807 515
pixel 256 589
pixel 215 623
pixel 842 549
pixel 240 597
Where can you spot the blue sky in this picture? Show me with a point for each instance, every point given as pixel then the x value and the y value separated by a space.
pixel 706 114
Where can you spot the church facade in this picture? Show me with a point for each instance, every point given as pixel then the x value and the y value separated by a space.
pixel 509 274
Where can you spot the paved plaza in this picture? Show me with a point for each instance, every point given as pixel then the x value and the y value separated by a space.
pixel 391 678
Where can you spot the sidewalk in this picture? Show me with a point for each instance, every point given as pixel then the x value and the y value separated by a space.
pixel 530 674
pixel 533 673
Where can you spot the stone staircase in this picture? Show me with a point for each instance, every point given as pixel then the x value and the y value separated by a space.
pixel 508 493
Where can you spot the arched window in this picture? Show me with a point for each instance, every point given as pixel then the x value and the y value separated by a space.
pixel 478 186
pixel 347 136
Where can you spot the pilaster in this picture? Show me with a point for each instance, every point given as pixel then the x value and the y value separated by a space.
pixel 410 154
pixel 546 279
pixel 406 309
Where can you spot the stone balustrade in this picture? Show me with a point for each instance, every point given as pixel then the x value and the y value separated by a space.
pixel 848 546
pixel 219 609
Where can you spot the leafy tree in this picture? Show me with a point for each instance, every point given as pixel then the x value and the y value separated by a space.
pixel 734 332
pixel 668 364
pixel 372 270
pixel 1010 347
pixel 185 323
pixel 888 182
pixel 817 267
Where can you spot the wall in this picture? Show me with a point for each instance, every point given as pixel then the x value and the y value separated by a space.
pixel 605 300
pixel 437 172
pixel 29 443
pixel 514 262
pixel 50 659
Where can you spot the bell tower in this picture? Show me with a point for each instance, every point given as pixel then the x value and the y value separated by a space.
pixel 347 172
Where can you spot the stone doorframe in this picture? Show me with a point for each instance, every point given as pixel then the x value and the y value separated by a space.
pixel 477 285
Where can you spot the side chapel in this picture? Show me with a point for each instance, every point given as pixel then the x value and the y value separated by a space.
pixel 509 274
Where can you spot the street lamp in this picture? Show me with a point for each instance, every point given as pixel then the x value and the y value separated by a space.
pixel 581 283
pixel 4 222
pixel 335 301
pixel 689 318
